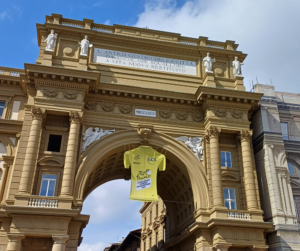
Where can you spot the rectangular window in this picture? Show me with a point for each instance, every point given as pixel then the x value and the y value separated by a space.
pixel 48 185
pixel 144 245
pixel 156 236
pixel 145 222
pixel 15 110
pixel 157 210
pixel 150 216
pixel 284 130
pixel 291 168
pixel 229 198
pixel 295 204
pixel 150 243
pixel 226 159
pixel 54 143
pixel 2 105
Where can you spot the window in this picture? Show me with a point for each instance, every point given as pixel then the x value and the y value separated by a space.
pixel 144 245
pixel 3 150
pixel 15 110
pixel 48 185
pixel 226 159
pixel 150 243
pixel 54 143
pixel 284 130
pixel 150 216
pixel 156 236
pixel 145 222
pixel 291 168
pixel 229 198
pixel 157 210
pixel 2 105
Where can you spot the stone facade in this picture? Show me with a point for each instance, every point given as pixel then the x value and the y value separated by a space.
pixel 276 145
pixel 48 107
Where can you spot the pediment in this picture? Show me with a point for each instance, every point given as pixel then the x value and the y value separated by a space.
pixel 229 177
pixel 50 161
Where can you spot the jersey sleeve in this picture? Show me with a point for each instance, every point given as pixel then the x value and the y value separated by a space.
pixel 127 159
pixel 162 164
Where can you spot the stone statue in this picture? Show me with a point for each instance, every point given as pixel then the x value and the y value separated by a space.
pixel 208 63
pixel 92 135
pixel 85 45
pixel 51 41
pixel 194 144
pixel 237 69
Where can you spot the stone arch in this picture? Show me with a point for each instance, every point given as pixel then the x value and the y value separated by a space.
pixel 110 147
pixel 8 144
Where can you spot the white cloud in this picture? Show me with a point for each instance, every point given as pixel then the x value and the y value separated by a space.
pixel 110 202
pixel 107 22
pixel 4 15
pixel 92 247
pixel 266 30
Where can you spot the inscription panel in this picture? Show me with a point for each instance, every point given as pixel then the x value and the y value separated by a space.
pixel 144 62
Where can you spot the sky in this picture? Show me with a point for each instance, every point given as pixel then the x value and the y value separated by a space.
pixel 267 30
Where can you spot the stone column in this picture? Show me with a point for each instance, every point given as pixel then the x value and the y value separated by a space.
pixel 3 180
pixel 14 242
pixel 245 138
pixel 212 135
pixel 32 150
pixel 60 242
pixel 71 155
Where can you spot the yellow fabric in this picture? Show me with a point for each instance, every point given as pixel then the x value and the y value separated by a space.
pixel 144 162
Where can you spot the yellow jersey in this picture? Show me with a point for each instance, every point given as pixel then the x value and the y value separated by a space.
pixel 144 162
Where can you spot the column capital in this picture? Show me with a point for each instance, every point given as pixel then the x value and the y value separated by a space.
pixel 221 247
pixel 75 117
pixel 38 113
pixel 15 237
pixel 5 165
pixel 212 132
pixel 245 135
pixel 60 239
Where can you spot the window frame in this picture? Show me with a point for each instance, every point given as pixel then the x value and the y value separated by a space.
pixel 291 174
pixel 48 179
pixel 226 159
pixel 287 128
pixel 62 146
pixel 2 116
pixel 235 200
pixel 50 171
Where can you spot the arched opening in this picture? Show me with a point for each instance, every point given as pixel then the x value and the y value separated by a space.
pixel 182 186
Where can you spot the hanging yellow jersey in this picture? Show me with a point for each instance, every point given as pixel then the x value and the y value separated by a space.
pixel 144 162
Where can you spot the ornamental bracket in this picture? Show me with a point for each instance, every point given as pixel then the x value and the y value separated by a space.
pixel 145 132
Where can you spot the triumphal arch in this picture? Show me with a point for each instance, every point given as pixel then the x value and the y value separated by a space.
pixel 97 91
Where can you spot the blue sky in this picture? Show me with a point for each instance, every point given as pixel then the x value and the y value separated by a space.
pixel 268 31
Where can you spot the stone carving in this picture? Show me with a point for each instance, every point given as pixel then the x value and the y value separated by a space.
pixel 90 105
pixel 75 117
pixel 38 113
pixel 85 45
pixel 50 92
pixel 245 135
pixel 197 117
pixel 237 114
pixel 125 109
pixel 70 94
pixel 211 132
pixel 51 41
pixel 208 61
pixel 145 133
pixel 165 113
pixel 237 67
pixel 91 135
pixel 181 115
pixel 193 144
pixel 108 107
pixel 220 112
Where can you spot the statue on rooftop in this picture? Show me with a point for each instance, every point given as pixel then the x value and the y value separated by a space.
pixel 51 41
pixel 208 63
pixel 237 69
pixel 85 45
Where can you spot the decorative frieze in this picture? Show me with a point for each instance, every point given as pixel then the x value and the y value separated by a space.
pixel 237 114
pixel 165 113
pixel 70 94
pixel 108 107
pixel 90 105
pixel 125 109
pixel 181 115
pixel 50 92
pixel 197 117
pixel 220 112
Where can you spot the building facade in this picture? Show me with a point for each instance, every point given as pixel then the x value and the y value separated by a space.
pixel 97 91
pixel 276 142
